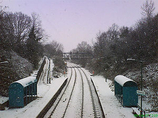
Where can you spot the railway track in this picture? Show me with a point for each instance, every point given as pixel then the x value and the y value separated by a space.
pixel 59 100
pixel 97 107
pixel 87 107
pixel 78 98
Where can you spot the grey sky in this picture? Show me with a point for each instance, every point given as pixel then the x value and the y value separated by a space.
pixel 71 21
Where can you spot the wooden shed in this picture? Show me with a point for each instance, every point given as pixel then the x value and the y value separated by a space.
pixel 125 91
pixel 22 92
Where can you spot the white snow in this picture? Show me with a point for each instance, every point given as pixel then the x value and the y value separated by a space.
pixel 111 106
pixel 62 105
pixel 76 100
pixel 31 110
pixel 44 92
pixel 26 81
pixel 87 108
pixel 51 69
pixel 122 79
pixel 3 99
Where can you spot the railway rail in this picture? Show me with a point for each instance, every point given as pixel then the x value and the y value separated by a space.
pixel 79 89
pixel 50 112
pixel 97 107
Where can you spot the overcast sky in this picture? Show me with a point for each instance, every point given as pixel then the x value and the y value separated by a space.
pixel 70 22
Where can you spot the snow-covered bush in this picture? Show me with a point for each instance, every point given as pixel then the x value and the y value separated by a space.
pixel 150 82
pixel 12 68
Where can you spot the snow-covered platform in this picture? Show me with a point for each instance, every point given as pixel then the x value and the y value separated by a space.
pixel 111 106
pixel 31 110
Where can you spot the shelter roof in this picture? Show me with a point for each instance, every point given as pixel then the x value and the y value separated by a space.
pixel 26 81
pixel 122 80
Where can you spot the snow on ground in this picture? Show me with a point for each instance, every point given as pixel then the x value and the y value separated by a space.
pixel 111 106
pixel 31 110
pixel 87 108
pixel 76 100
pixel 3 99
pixel 44 93
pixel 62 105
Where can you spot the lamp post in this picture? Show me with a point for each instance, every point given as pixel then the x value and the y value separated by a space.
pixel 141 83
pixel 141 87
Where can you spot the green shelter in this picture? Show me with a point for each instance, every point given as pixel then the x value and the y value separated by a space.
pixel 125 91
pixel 22 92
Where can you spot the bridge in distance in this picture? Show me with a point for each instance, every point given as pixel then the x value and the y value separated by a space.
pixel 75 56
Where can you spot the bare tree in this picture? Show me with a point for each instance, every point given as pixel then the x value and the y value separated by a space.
pixel 53 49
pixel 36 23
pixel 148 8
pixel 6 31
pixel 2 9
pixel 57 46
pixel 101 45
pixel 83 52
pixel 21 24
pixel 84 47
pixel 14 29
pixel 113 32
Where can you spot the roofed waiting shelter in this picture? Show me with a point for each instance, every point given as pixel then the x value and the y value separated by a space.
pixel 125 91
pixel 22 92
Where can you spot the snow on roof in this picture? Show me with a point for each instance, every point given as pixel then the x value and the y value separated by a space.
pixel 26 81
pixel 122 79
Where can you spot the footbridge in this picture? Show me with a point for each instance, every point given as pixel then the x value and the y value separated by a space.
pixel 75 56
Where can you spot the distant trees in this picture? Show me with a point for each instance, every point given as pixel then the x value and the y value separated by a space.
pixel 113 32
pixel 146 31
pixel 83 48
pixel 22 34
pixel 34 48
pixel 112 48
pixel 53 49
